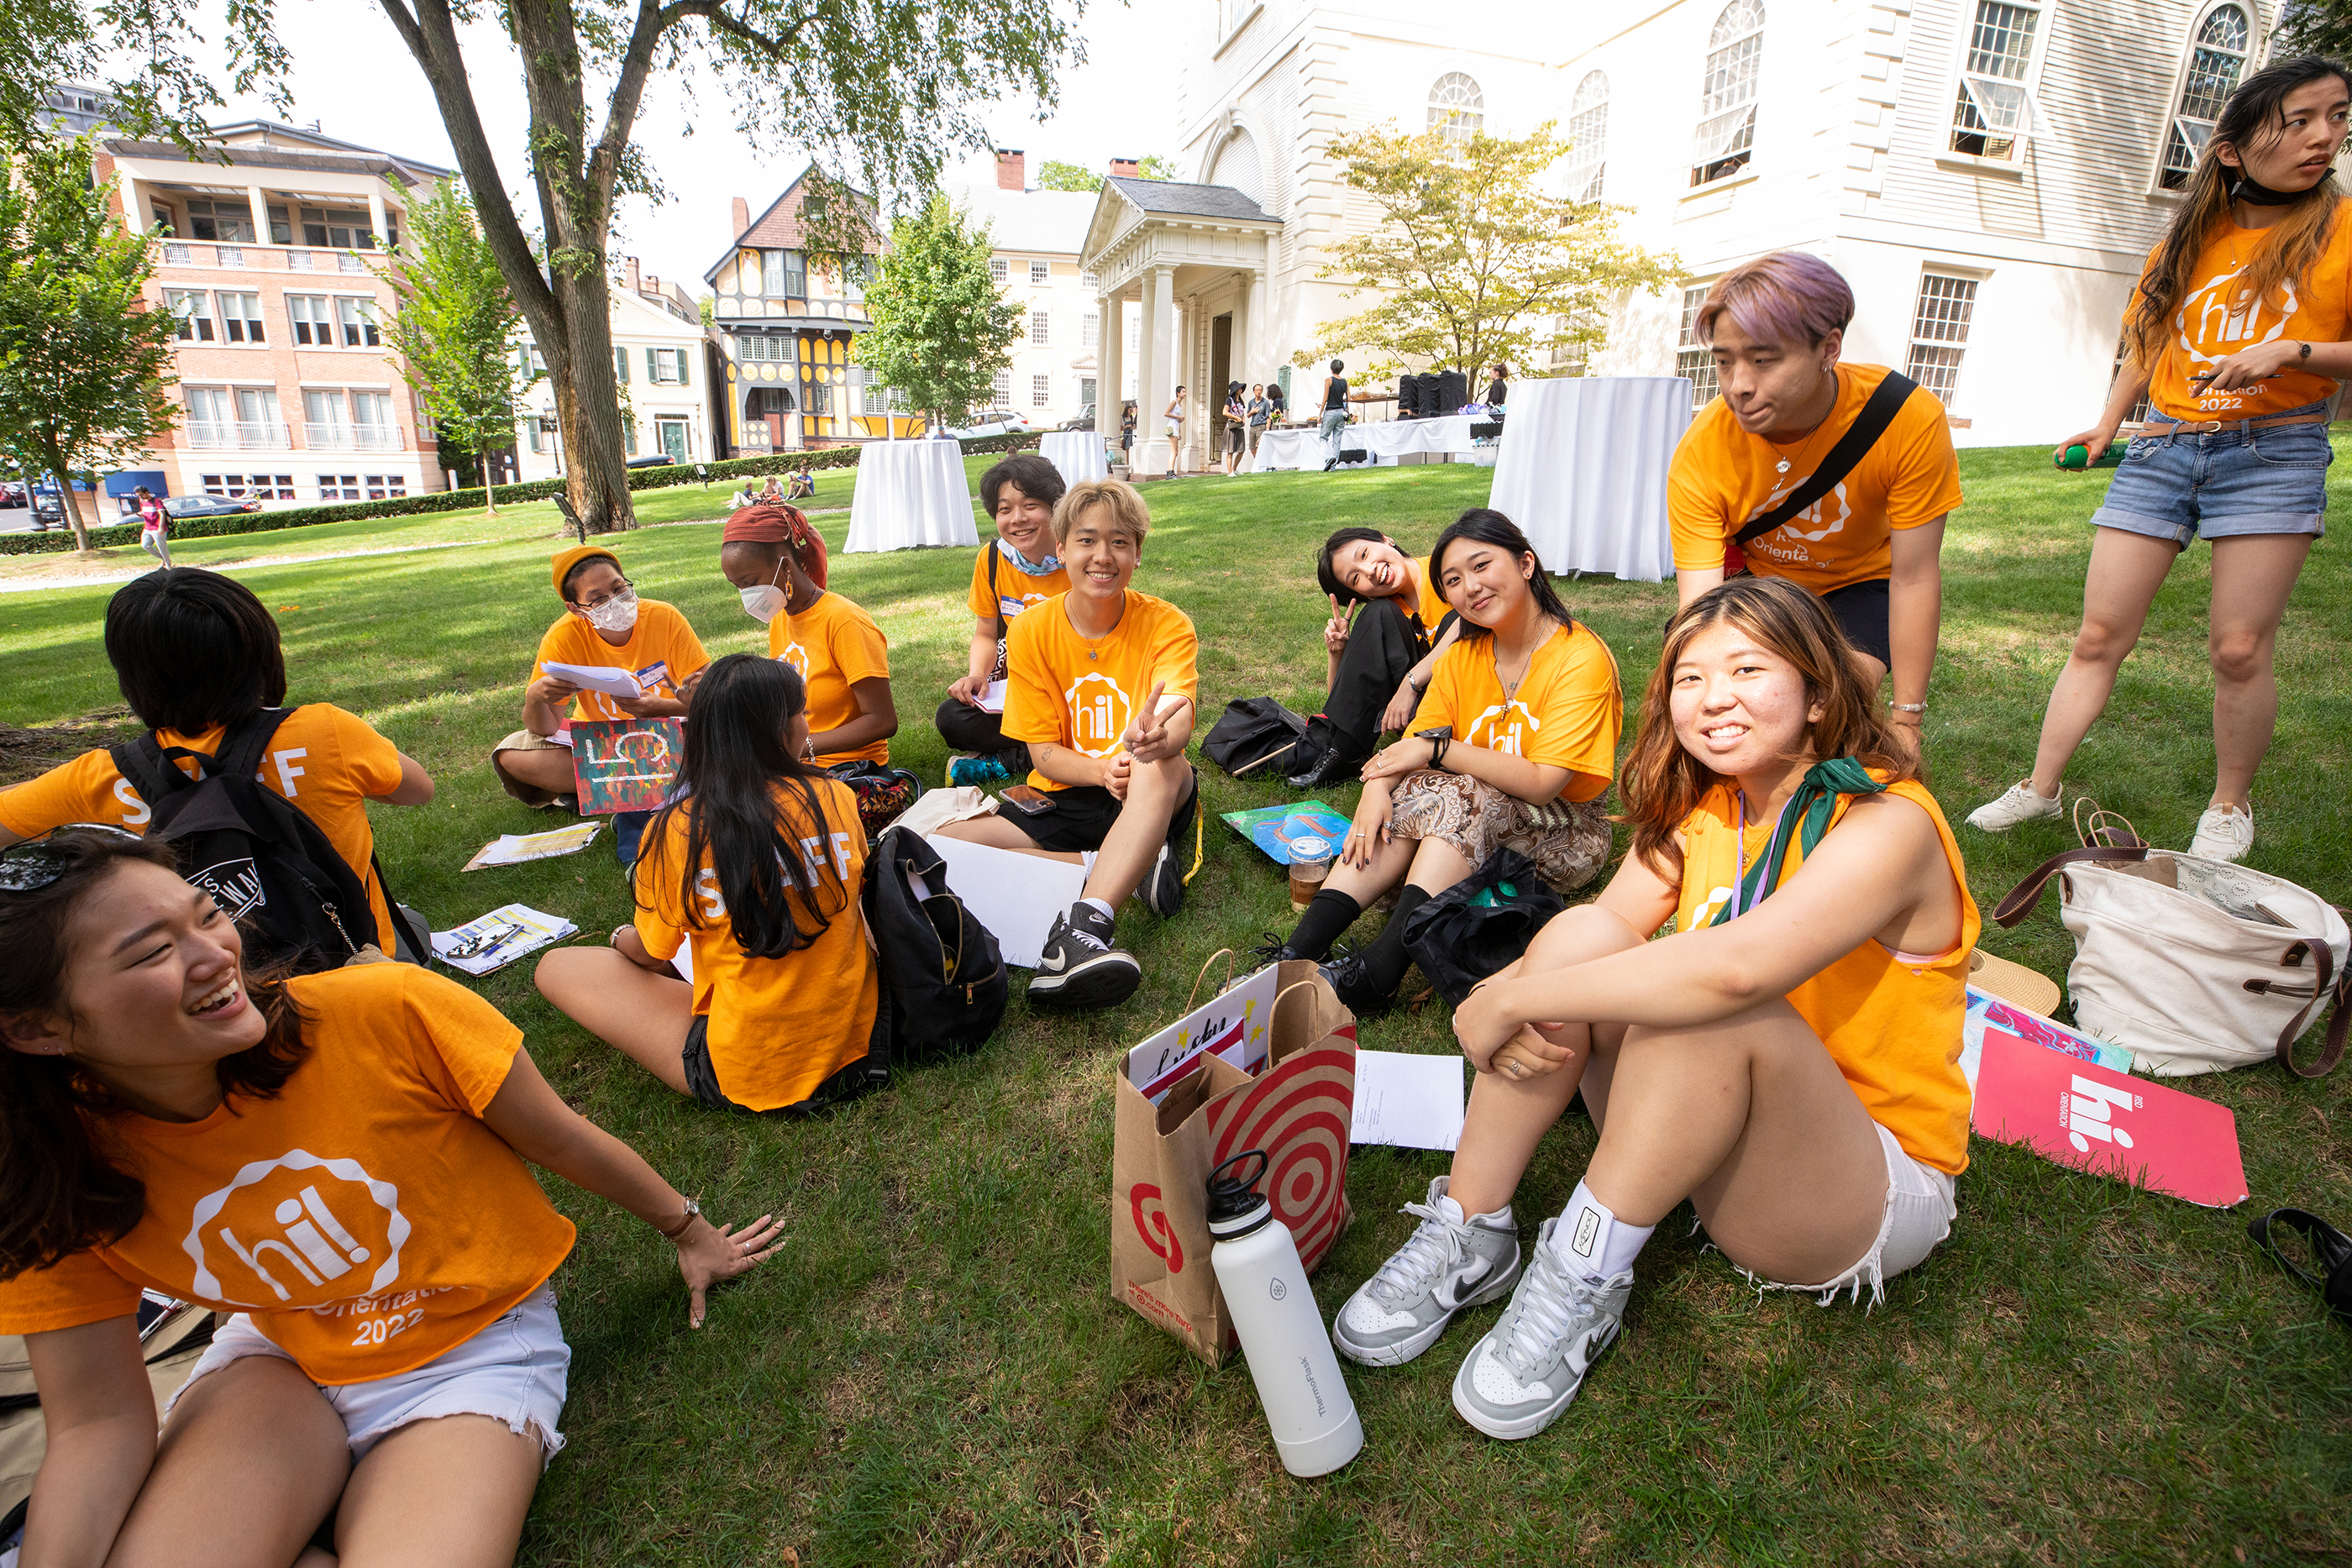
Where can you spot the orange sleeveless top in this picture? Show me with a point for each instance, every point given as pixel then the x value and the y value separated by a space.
pixel 1892 1021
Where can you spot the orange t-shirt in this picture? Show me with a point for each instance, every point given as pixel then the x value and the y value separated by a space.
pixel 662 651
pixel 1565 714
pixel 1062 689
pixel 2215 320
pixel 1430 608
pixel 1724 479
pixel 365 1218
pixel 1016 590
pixel 834 643
pixel 326 761
pixel 1893 1027
pixel 779 1027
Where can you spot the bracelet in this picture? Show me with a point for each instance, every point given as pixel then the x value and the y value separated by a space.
pixel 1908 707
pixel 1437 751
pixel 693 1213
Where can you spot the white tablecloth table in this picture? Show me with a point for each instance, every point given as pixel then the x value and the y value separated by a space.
pixel 1288 449
pixel 1078 454
pixel 910 494
pixel 1582 470
pixel 1387 440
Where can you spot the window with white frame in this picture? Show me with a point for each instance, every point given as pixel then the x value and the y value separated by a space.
pixel 1041 391
pixel 1588 136
pixel 227 221
pixel 346 487
pixel 878 398
pixel 763 346
pixel 999 268
pixel 357 318
pixel 1693 361
pixel 312 318
pixel 240 316
pixel 2216 60
pixel 1939 332
pixel 1002 388
pixel 1088 281
pixel 381 485
pixel 1041 272
pixel 211 421
pixel 669 366
pixel 1086 391
pixel 1456 106
pixel 187 307
pixel 1727 101
pixel 1089 330
pixel 249 487
pixel 1040 327
pixel 1993 111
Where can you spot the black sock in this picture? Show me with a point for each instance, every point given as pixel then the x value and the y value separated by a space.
pixel 1385 961
pixel 1330 913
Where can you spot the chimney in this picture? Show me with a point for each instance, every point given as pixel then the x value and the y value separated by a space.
pixel 629 275
pixel 1011 168
pixel 742 218
pixel 1123 169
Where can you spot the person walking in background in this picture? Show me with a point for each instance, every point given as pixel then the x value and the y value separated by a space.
pixel 1333 401
pixel 154 524
pixel 1127 434
pixel 2235 336
pixel 1236 420
pixel 1174 419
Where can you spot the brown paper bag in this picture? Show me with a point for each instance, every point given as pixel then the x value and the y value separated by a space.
pixel 1299 1109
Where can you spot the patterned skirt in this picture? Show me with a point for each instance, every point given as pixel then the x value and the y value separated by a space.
pixel 1568 840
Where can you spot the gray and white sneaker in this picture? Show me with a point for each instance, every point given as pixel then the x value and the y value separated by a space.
pixel 1445 1265
pixel 2224 833
pixel 1523 1374
pixel 2018 803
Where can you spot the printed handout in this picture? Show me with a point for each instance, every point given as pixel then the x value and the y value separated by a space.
pixel 500 937
pixel 611 680
pixel 514 849
pixel 1408 1100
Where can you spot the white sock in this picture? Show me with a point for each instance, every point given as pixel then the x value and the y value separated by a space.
pixel 1452 1211
pixel 1107 912
pixel 1591 1241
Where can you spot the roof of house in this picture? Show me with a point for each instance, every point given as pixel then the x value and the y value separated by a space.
pixel 1051 223
pixel 1181 200
pixel 272 132
pixel 777 228
pixel 402 171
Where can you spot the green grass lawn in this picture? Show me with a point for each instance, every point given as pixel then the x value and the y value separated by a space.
pixel 934 1372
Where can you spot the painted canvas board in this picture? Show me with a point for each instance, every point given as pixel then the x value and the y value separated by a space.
pixel 624 765
pixel 1311 825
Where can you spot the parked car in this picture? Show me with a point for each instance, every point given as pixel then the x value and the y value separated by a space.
pixel 1085 421
pixel 47 512
pixel 993 421
pixel 207 505
pixel 657 460
pixel 13 494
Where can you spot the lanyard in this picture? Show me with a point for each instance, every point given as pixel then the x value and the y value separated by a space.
pixel 1739 867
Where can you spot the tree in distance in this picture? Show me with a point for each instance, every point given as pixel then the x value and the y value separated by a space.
pixel 1474 260
pixel 1056 175
pixel 940 328
pixel 454 329
pixel 49 44
pixel 83 360
pixel 2314 27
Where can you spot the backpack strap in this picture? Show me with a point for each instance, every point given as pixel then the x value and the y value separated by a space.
pixel 1886 402
pixel 243 748
pixel 994 556
pixel 150 773
pixel 419 941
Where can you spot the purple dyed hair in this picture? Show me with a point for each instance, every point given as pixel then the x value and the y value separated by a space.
pixel 1787 297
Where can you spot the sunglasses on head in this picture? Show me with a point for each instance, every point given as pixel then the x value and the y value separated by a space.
pixel 34 864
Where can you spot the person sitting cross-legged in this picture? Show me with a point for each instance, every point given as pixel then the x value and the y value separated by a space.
pixel 1101 684
pixel 1788 1059
pixel 1015 573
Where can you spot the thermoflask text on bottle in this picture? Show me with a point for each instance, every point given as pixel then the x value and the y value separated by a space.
pixel 1314 1420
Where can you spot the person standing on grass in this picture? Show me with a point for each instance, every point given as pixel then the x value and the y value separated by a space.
pixel 1872 547
pixel 1236 422
pixel 1100 684
pixel 603 623
pixel 777 564
pixel 1174 419
pixel 337 1161
pixel 1259 410
pixel 755 864
pixel 2235 336
pixel 154 524
pixel 196 655
pixel 1381 655
pixel 1333 401
pixel 1017 573
pixel 1788 1059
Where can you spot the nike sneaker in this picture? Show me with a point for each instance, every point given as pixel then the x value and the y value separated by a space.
pixel 1079 967
pixel 1519 1378
pixel 983 770
pixel 1163 885
pixel 1445 1265
pixel 2224 833
pixel 2018 803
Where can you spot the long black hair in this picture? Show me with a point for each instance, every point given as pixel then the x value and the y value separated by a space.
pixel 191 649
pixel 738 751
pixel 1485 526
pixel 1327 574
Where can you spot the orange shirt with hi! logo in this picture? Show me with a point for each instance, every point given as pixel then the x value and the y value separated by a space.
pixel 326 761
pixel 1016 590
pixel 834 643
pixel 366 1216
pixel 1060 688
pixel 662 651
pixel 779 1027
pixel 1723 479
pixel 2215 320
pixel 1565 714
pixel 1892 1022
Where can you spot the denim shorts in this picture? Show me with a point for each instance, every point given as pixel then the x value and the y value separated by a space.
pixel 1921 1203
pixel 2223 483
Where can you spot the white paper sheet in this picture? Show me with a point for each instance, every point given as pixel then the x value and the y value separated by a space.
pixel 992 699
pixel 505 934
pixel 611 680
pixel 1408 1100
pixel 1016 895
pixel 513 848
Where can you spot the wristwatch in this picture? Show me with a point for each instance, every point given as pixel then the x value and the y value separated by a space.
pixel 693 1213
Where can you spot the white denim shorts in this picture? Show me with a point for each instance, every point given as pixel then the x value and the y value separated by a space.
pixel 513 1370
pixel 1920 1206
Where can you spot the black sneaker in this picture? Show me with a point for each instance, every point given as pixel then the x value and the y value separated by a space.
pixel 1163 885
pixel 1272 950
pixel 1355 988
pixel 1079 967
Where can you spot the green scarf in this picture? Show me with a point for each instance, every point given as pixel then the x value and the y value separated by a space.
pixel 1809 811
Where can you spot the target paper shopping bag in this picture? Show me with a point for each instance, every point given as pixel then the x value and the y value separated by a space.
pixel 1188 1099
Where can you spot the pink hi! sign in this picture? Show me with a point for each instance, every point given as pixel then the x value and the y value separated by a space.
pixel 2109 1123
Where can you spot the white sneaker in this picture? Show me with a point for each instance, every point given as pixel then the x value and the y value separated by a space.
pixel 2018 803
pixel 2224 833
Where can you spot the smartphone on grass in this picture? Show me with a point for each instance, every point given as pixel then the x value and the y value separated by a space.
pixel 1027 800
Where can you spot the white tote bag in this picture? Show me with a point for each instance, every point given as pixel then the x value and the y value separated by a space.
pixel 2196 965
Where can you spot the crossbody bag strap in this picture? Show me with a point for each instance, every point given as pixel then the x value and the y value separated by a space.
pixel 995 554
pixel 1886 402
pixel 2021 900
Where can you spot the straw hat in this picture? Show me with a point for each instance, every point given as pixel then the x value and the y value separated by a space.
pixel 2013 983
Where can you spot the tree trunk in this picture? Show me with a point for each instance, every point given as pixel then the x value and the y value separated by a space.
pixel 64 482
pixel 588 402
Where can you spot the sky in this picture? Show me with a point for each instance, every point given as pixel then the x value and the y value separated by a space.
pixel 1108 107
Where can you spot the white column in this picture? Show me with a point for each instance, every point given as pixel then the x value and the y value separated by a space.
pixel 1261 366
pixel 135 216
pixel 1110 344
pixel 1154 454
pixel 377 222
pixel 259 200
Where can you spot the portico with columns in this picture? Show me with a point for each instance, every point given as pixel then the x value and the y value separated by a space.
pixel 1195 258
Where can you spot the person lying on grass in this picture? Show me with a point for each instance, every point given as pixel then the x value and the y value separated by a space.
pixel 338 1161
pixel 197 654
pixel 1511 748
pixel 755 863
pixel 777 564
pixel 1788 1059
pixel 606 625
pixel 1018 573
pixel 1389 624
pixel 1099 685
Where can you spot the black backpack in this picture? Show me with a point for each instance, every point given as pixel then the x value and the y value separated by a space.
pixel 1258 735
pixel 1480 924
pixel 267 865
pixel 944 979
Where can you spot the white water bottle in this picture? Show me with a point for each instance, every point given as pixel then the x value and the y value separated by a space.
pixel 1314 1420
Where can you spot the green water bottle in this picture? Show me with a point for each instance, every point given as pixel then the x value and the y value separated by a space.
pixel 2076 457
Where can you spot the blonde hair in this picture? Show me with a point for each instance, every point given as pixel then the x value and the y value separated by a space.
pixel 1127 512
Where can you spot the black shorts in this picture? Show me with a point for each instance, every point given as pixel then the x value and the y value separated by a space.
pixel 1081 816
pixel 847 1084
pixel 700 1080
pixel 1859 610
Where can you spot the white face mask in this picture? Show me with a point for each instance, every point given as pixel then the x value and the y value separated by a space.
pixel 617 614
pixel 767 602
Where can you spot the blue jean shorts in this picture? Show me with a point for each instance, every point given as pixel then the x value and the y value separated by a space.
pixel 2222 484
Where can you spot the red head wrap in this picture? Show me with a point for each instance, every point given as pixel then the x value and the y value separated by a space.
pixel 773 524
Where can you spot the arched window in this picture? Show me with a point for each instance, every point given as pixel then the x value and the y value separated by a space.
pixel 1727 99
pixel 1456 106
pixel 1588 136
pixel 2216 60
pixel 1238 166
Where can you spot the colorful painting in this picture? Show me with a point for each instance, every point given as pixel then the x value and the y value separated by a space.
pixel 1311 825
pixel 624 765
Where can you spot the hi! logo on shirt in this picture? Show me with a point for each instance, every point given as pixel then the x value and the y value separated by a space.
pixel 797 657
pixel 1786 544
pixel 1099 711
pixel 2218 318
pixel 299 1226
pixel 1504 728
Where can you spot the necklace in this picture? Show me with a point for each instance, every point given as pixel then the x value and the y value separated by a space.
pixel 1782 466
pixel 1093 645
pixel 1527 662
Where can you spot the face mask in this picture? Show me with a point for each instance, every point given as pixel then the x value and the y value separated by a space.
pixel 767 602
pixel 617 614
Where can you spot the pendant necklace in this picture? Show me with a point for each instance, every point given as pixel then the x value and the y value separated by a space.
pixel 1782 466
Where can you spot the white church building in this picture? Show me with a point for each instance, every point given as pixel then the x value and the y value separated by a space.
pixel 1989 174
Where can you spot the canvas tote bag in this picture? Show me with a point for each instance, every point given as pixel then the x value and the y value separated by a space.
pixel 2196 965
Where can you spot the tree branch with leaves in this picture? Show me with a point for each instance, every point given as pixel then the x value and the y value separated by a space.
pixel 455 329
pixel 942 331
